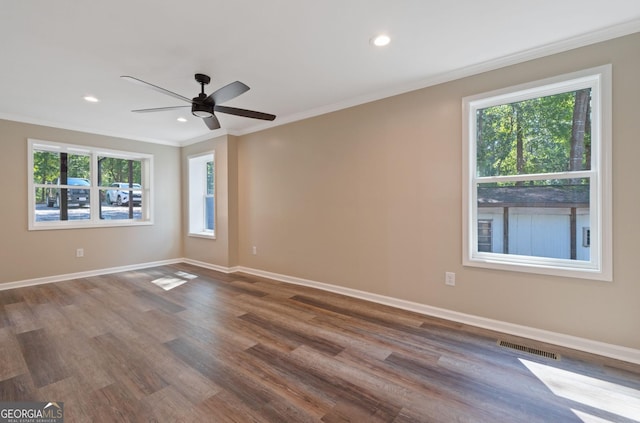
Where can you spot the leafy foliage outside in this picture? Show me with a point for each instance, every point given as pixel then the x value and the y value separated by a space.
pixel 117 170
pixel 535 136
pixel 47 166
pixel 210 178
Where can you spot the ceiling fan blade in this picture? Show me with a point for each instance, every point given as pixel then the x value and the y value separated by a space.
pixel 155 87
pixel 244 113
pixel 226 93
pixel 212 122
pixel 159 109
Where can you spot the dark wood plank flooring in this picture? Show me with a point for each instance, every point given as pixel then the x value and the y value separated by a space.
pixel 237 348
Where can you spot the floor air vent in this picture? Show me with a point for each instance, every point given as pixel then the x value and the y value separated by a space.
pixel 529 350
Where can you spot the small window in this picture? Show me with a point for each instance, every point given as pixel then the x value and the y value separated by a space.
pixel 74 186
pixel 202 195
pixel 485 235
pixel 538 155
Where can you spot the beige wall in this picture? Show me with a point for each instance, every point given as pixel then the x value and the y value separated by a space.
pixel 370 198
pixel 28 255
pixel 222 250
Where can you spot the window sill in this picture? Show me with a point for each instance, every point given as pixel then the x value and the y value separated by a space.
pixel 88 225
pixel 551 267
pixel 205 235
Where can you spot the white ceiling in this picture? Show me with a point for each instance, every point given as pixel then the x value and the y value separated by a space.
pixel 300 57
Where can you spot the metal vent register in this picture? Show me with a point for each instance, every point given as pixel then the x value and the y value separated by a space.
pixel 534 351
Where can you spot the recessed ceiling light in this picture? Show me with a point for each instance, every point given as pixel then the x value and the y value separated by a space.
pixel 380 40
pixel 181 119
pixel 91 99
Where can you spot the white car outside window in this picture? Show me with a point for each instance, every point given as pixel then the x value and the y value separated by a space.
pixel 119 194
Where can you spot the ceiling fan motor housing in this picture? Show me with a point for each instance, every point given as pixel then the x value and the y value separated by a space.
pixel 200 109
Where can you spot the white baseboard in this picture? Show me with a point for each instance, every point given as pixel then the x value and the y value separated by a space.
pixel 582 344
pixel 211 266
pixel 87 274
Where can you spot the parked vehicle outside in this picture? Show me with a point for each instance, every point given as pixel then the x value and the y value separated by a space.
pixel 119 194
pixel 78 197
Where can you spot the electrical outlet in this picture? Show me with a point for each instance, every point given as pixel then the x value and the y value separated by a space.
pixel 254 250
pixel 450 278
pixel 80 252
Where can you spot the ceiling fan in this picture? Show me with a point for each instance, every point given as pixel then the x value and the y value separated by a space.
pixel 204 106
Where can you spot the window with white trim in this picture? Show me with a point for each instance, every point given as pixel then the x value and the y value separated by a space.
pixel 202 195
pixel 537 163
pixel 73 186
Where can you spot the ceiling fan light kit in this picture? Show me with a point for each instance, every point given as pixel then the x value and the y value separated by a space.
pixel 201 110
pixel 204 106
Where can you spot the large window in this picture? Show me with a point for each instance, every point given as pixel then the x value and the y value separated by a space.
pixel 536 171
pixel 202 195
pixel 74 186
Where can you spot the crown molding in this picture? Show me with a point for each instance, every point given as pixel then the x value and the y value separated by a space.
pixel 582 40
pixel 57 125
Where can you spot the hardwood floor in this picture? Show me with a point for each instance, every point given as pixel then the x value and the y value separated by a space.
pixel 237 348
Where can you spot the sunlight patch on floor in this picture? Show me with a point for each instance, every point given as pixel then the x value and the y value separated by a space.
pixel 588 418
pixel 186 275
pixel 596 393
pixel 168 283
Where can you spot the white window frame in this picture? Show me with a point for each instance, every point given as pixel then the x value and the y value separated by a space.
pixel 197 194
pixel 94 220
pixel 599 267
